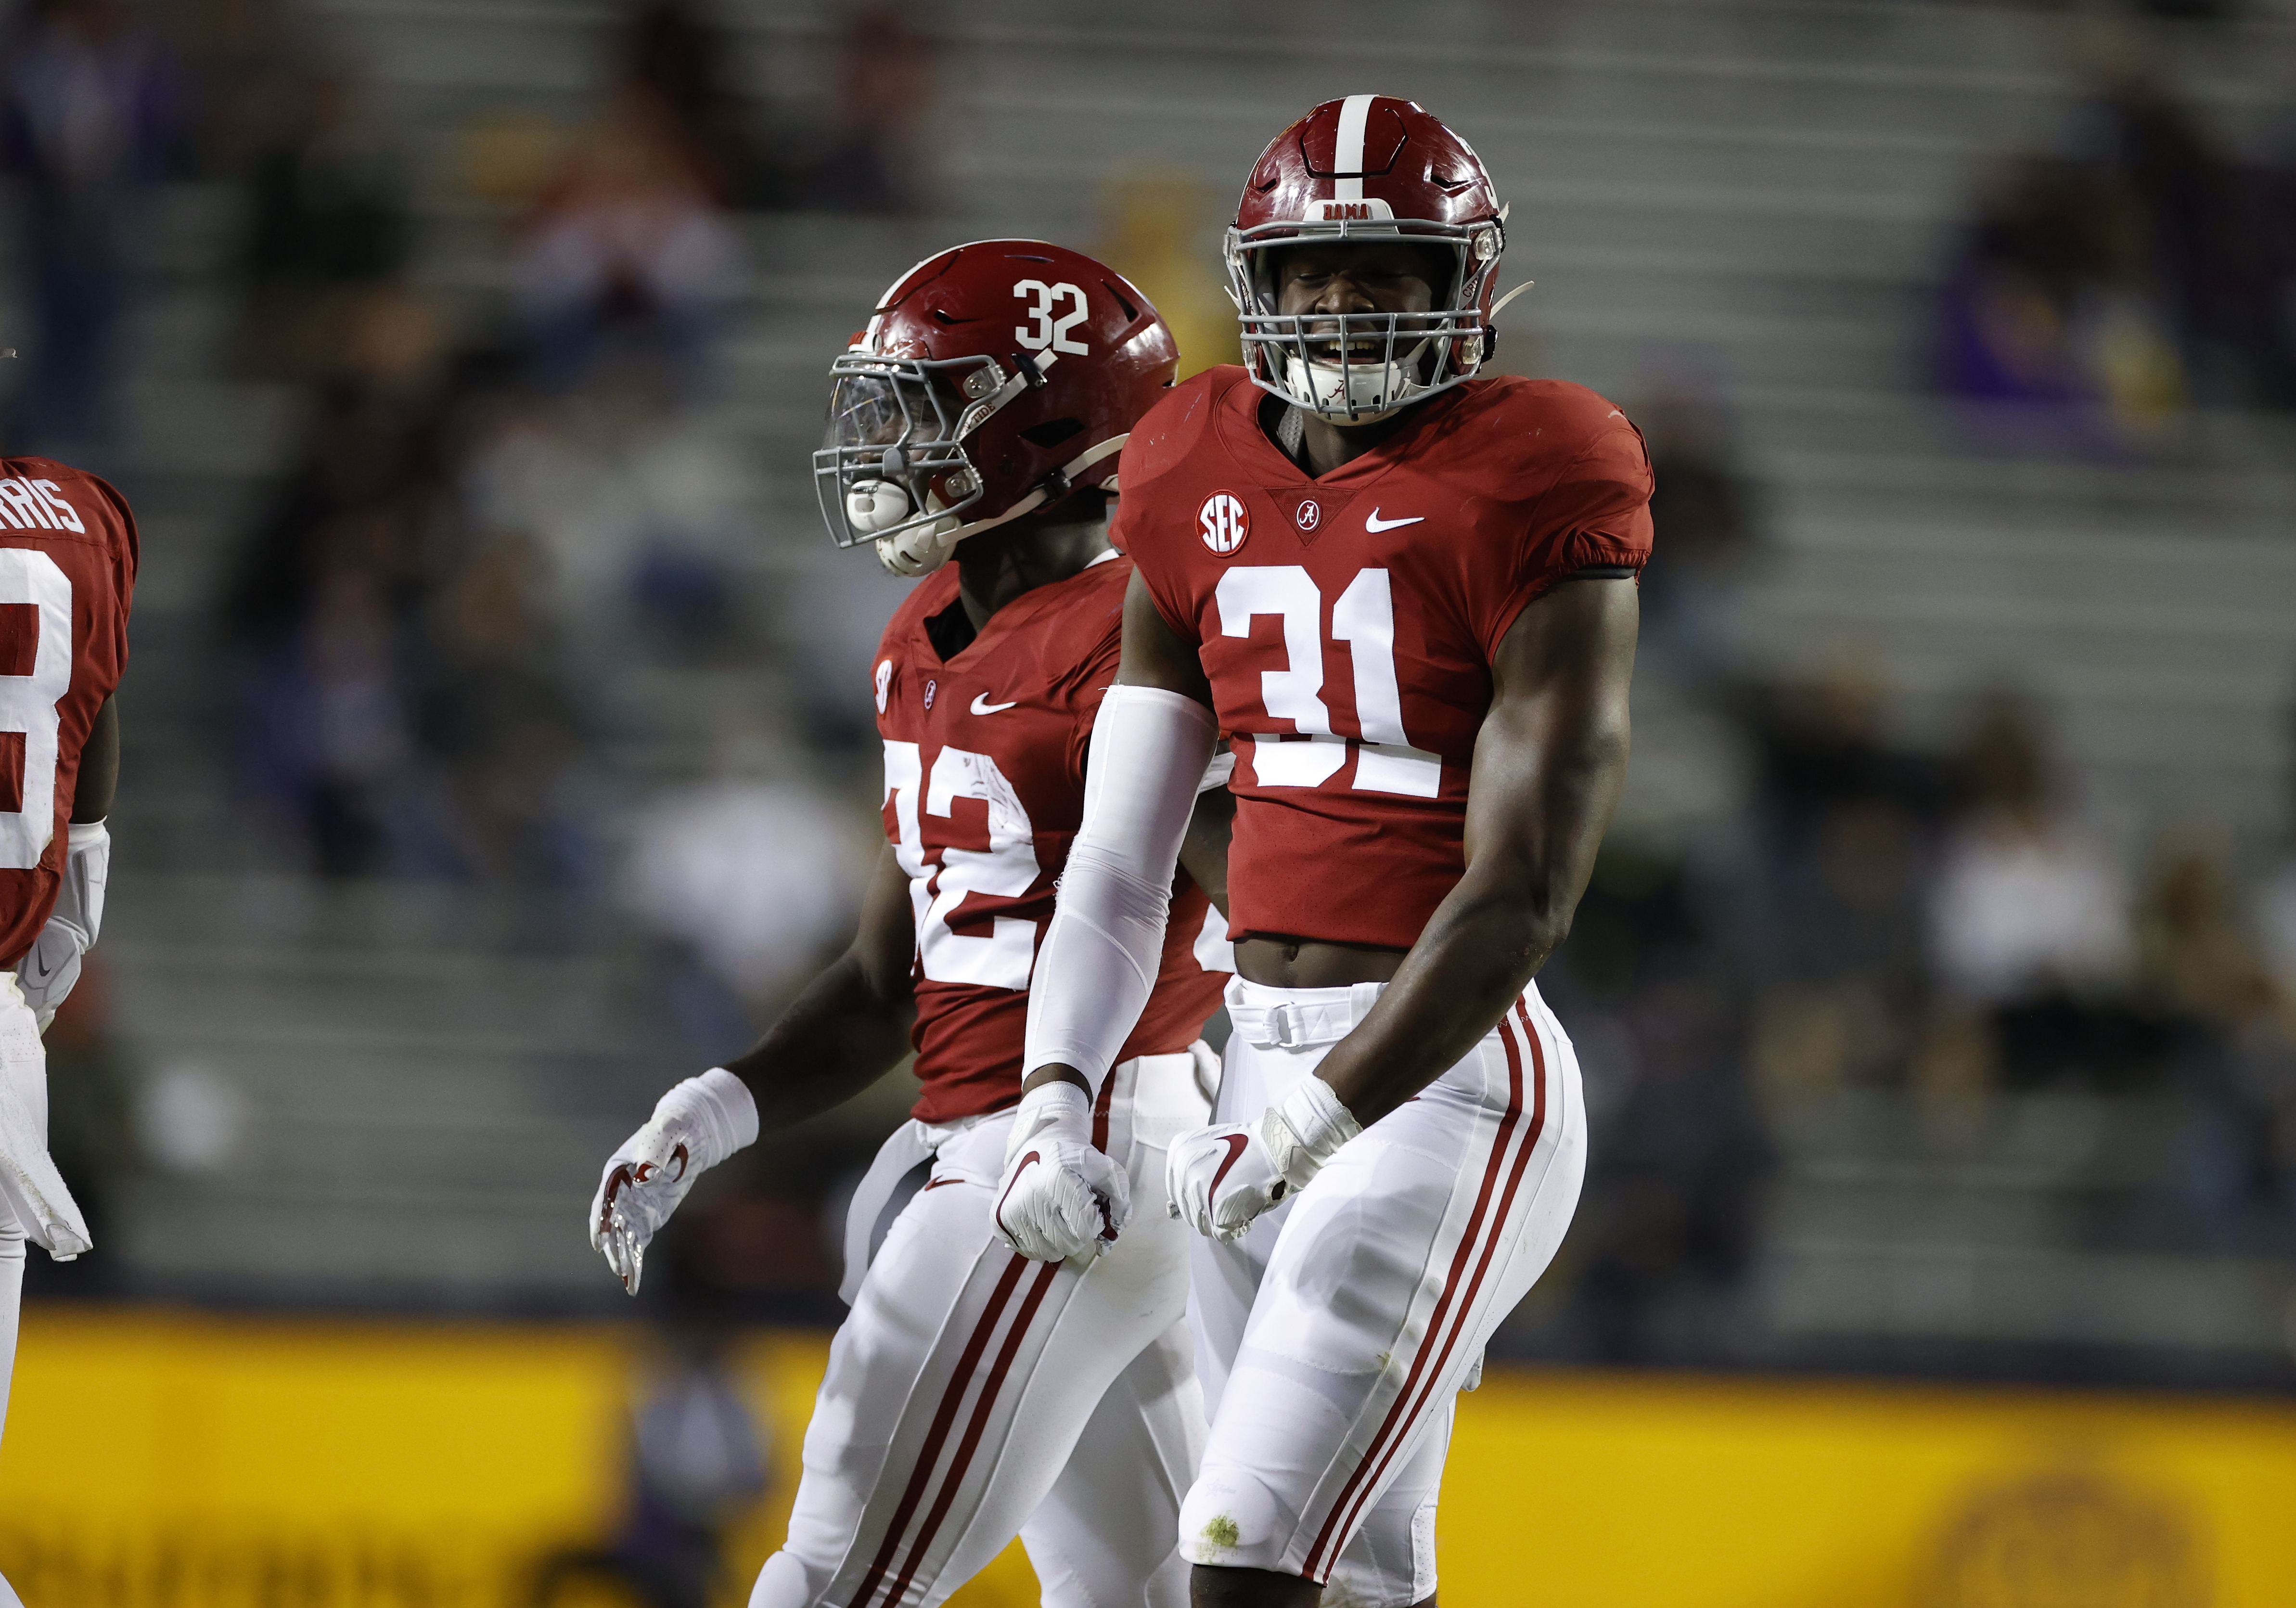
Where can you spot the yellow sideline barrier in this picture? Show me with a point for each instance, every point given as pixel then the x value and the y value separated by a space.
pixel 171 1461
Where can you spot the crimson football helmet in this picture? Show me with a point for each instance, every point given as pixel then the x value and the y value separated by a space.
pixel 1367 167
pixel 993 380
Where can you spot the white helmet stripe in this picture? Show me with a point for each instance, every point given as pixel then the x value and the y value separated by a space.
pixel 1347 153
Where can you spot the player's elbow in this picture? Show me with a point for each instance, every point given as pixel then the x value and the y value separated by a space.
pixel 1542 925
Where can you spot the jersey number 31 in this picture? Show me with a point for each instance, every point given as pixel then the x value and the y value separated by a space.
pixel 1364 618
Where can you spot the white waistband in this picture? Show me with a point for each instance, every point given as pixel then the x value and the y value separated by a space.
pixel 1291 1019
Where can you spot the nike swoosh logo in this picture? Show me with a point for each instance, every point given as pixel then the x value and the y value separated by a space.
pixel 981 706
pixel 997 1216
pixel 1376 523
pixel 1236 1144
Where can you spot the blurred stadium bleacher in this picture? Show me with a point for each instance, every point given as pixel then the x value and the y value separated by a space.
pixel 404 1085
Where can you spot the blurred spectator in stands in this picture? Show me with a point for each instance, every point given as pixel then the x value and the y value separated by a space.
pixel 1845 975
pixel 2276 920
pixel 376 445
pixel 748 878
pixel 1160 228
pixel 89 113
pixel 2235 1027
pixel 2057 302
pixel 1701 504
pixel 1672 1184
pixel 628 253
pixel 697 1459
pixel 2196 957
pixel 2030 918
pixel 1822 747
pixel 2148 265
pixel 327 213
pixel 1638 924
pixel 496 716
pixel 674 56
pixel 247 67
pixel 2220 239
pixel 877 141
pixel 319 603
pixel 326 737
pixel 638 511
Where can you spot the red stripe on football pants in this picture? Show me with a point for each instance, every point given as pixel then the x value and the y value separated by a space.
pixel 1356 1495
pixel 943 1417
pixel 989 1390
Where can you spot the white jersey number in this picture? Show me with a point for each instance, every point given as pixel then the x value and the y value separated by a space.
pixel 1364 618
pixel 27 702
pixel 1006 869
pixel 1051 332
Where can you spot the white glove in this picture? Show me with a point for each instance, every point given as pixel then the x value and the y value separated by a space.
pixel 50 966
pixel 695 1126
pixel 29 1183
pixel 1220 1178
pixel 1061 1197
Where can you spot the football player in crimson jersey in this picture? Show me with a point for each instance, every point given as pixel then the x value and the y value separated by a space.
pixel 68 552
pixel 973 1394
pixel 1405 597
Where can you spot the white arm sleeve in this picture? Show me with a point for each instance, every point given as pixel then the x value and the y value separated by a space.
pixel 1103 950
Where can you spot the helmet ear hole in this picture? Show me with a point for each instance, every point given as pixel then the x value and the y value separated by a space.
pixel 1053 432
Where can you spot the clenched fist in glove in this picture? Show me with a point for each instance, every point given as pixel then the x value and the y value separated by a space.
pixel 695 1126
pixel 1060 1197
pixel 1221 1178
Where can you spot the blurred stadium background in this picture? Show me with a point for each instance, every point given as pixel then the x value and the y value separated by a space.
pixel 497 751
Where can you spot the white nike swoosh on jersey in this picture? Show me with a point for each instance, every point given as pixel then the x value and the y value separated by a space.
pixel 981 706
pixel 1376 523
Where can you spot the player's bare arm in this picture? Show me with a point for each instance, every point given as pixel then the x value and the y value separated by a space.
pixel 99 768
pixel 845 1031
pixel 850 1025
pixel 1203 851
pixel 1549 762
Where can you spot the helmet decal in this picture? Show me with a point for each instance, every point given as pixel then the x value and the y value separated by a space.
pixel 993 380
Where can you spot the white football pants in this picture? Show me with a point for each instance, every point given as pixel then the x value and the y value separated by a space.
pixel 973 1395
pixel 1334 1335
pixel 24 1064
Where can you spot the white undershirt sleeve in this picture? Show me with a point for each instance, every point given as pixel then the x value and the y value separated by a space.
pixel 1102 953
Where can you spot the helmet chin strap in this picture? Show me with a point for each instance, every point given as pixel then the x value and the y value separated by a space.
pixel 1301 376
pixel 1499 306
pixel 926 548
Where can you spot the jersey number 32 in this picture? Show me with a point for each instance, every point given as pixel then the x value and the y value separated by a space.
pixel 1006 869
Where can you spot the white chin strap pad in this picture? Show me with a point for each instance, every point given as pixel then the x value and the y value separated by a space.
pixel 1106 941
pixel 875 506
pixel 1375 390
pixel 919 551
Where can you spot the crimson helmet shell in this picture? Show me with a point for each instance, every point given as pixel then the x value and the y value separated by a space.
pixel 993 380
pixel 1367 168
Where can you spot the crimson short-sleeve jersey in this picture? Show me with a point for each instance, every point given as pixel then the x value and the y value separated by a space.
pixel 67 572
pixel 1347 624
pixel 984 791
